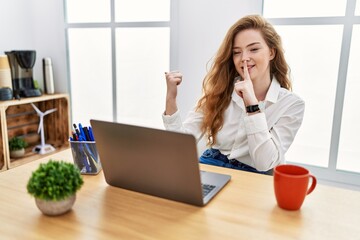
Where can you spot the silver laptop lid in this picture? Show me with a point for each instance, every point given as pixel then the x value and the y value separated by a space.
pixel 151 161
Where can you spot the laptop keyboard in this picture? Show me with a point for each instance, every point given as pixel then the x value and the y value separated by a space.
pixel 207 188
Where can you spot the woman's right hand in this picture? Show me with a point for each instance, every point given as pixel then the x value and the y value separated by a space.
pixel 173 79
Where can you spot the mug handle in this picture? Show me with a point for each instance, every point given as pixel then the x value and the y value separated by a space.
pixel 313 184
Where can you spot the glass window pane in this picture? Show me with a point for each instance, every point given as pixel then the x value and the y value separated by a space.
pixel 90 74
pixel 349 147
pixel 314 75
pixel 142 57
pixel 303 8
pixel 88 11
pixel 142 10
pixel 357 9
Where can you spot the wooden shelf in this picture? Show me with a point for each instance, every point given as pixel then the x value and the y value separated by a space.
pixel 18 118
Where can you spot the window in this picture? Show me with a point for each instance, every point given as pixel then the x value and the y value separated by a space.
pixel 154 10
pixel 90 71
pixel 322 48
pixel 314 76
pixel 141 86
pixel 349 147
pixel 304 8
pixel 111 49
pixel 88 11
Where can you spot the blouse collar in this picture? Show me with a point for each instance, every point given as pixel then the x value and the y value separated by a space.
pixel 271 95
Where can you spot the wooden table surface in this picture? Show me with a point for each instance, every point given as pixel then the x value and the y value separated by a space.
pixel 245 209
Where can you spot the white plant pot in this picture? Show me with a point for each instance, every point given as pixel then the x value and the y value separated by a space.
pixel 53 208
pixel 17 153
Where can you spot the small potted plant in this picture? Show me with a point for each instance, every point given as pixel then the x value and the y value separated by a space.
pixel 17 147
pixel 54 185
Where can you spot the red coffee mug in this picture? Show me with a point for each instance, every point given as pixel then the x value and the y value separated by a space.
pixel 291 185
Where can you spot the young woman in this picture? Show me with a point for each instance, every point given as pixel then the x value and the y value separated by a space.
pixel 247 112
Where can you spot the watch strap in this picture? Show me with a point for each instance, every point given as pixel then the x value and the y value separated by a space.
pixel 252 108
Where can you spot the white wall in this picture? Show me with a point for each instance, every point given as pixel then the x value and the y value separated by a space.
pixel 200 29
pixel 15 25
pixel 36 25
pixel 202 26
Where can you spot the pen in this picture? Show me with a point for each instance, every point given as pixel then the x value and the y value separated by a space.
pixel 85 160
pixel 81 132
pixel 77 131
pixel 90 158
pixel 74 136
pixel 83 155
pixel 86 131
pixel 91 134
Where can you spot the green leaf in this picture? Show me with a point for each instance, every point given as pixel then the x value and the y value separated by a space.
pixel 55 180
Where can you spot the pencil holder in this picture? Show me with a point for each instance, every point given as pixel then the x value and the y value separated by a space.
pixel 86 157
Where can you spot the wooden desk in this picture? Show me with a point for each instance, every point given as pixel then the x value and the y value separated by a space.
pixel 245 209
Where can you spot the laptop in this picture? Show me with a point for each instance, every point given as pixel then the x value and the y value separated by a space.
pixel 155 162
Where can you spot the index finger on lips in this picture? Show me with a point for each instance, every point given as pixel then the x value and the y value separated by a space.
pixel 246 71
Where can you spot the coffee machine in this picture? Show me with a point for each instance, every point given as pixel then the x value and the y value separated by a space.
pixel 21 65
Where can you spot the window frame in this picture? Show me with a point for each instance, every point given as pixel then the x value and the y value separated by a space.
pixel 331 174
pixel 171 24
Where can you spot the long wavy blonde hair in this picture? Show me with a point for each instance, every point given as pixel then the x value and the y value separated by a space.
pixel 218 83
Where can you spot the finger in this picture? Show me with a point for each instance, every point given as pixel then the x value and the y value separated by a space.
pixel 238 87
pixel 174 77
pixel 177 80
pixel 173 74
pixel 246 71
pixel 174 71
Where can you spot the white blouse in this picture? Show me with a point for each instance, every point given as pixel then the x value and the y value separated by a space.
pixel 259 140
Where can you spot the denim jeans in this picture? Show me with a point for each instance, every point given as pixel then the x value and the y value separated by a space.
pixel 215 157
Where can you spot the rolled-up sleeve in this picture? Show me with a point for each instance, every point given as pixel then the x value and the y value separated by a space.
pixel 172 122
pixel 192 124
pixel 268 144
